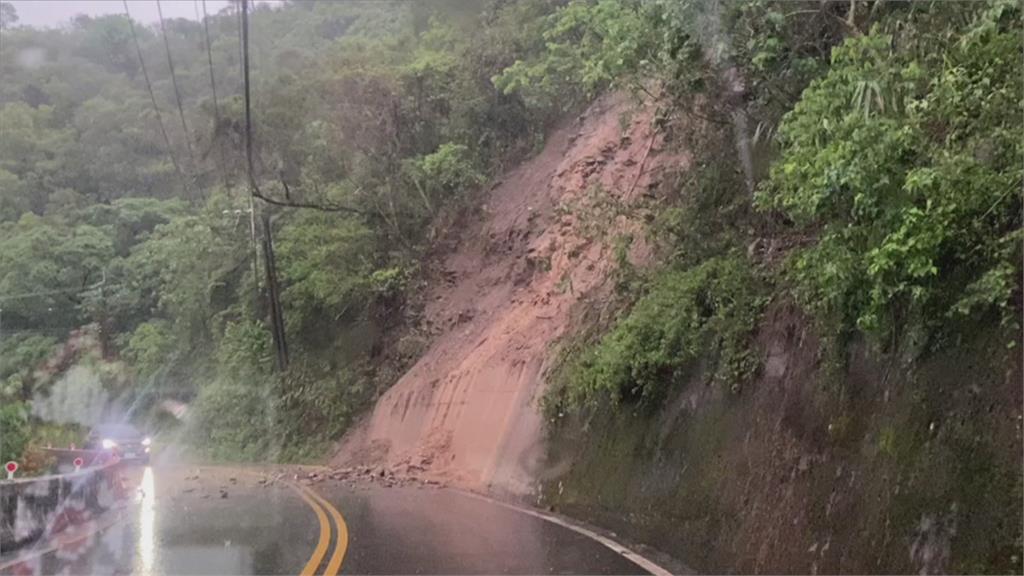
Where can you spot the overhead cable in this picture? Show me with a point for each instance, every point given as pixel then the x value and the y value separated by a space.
pixel 152 98
pixel 174 82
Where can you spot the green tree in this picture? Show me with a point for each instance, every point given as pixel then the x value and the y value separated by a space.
pixel 589 46
pixel 49 266
pixel 903 159
pixel 326 261
pixel 8 15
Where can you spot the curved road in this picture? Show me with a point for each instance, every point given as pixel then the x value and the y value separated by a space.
pixel 224 521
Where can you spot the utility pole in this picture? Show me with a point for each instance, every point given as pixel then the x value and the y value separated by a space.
pixel 273 293
pixel 1 335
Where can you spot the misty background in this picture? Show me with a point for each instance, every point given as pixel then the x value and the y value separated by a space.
pixel 54 13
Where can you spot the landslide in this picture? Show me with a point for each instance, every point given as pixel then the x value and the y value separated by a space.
pixel 467 412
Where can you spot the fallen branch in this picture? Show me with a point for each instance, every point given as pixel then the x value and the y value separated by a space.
pixel 643 162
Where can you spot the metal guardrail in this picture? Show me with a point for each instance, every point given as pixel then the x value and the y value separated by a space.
pixel 35 508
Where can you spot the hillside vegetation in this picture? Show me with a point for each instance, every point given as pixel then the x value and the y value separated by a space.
pixel 379 119
pixel 834 323
pixel 834 292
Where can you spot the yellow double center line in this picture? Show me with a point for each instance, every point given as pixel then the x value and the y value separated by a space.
pixel 319 505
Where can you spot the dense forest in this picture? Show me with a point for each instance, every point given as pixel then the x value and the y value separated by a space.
pixel 129 215
pixel 862 158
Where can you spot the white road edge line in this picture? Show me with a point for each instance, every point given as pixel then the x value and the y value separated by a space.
pixel 641 561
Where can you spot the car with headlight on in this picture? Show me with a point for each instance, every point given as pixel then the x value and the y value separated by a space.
pixel 124 440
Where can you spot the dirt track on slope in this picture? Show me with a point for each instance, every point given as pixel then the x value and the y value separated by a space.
pixel 466 413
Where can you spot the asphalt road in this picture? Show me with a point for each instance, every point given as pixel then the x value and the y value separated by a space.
pixel 224 521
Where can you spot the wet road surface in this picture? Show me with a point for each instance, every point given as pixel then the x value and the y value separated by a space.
pixel 229 521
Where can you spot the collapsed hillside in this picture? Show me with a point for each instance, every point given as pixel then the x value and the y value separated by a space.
pixel 817 371
pixel 821 377
pixel 880 468
pixel 467 412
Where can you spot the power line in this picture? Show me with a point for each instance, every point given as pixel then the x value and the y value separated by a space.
pixel 152 97
pixel 213 89
pixel 174 82
pixel 254 189
pixel 209 61
pixel 311 205
pixel 80 290
pixel 241 71
pixel 248 107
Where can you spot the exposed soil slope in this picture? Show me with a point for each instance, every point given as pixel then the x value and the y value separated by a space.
pixel 466 413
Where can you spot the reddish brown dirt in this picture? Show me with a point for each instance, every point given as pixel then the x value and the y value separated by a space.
pixel 466 413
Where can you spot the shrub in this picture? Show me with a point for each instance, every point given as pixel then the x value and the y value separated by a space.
pixel 589 46
pixel 325 262
pixel 903 162
pixel 244 350
pixel 234 420
pixel 709 309
pixel 445 175
pixel 151 345
pixel 15 428
pixel 22 355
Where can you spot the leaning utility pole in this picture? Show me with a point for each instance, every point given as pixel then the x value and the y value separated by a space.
pixel 273 293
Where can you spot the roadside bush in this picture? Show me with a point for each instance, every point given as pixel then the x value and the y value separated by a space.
pixel 711 309
pixel 244 351
pixel 150 346
pixel 269 418
pixel 318 402
pixel 234 420
pixel 15 430
pixel 326 261
pixel 58 434
pixel 21 356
